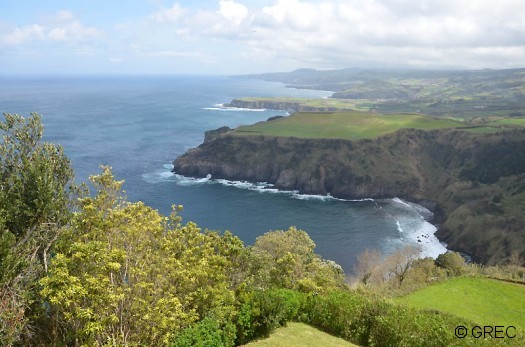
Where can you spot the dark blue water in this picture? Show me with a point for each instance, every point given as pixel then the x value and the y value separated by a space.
pixel 138 125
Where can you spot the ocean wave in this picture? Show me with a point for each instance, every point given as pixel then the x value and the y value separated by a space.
pixel 313 197
pixel 414 229
pixel 421 210
pixel 190 181
pixel 165 175
pixel 398 225
pixel 221 107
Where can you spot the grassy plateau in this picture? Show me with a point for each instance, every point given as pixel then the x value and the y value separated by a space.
pixel 355 125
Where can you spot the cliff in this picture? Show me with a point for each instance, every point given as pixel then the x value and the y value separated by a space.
pixel 473 178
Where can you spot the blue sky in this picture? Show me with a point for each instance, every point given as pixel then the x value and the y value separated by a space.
pixel 228 37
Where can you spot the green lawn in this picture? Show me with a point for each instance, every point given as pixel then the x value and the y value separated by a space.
pixel 481 300
pixel 344 125
pixel 300 335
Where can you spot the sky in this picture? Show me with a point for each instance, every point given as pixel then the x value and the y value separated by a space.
pixel 253 36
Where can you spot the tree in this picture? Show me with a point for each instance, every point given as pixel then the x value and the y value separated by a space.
pixel 368 268
pixel 452 262
pixel 401 261
pixel 125 275
pixel 35 190
pixel 289 261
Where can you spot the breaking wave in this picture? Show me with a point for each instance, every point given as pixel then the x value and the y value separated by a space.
pixel 221 107
pixel 410 219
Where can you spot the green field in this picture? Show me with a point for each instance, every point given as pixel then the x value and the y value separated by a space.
pixel 481 300
pixel 349 125
pixel 300 335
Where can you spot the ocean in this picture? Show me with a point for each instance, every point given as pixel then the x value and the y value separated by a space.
pixel 139 124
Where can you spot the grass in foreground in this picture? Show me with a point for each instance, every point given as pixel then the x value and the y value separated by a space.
pixel 300 335
pixel 481 300
pixel 351 125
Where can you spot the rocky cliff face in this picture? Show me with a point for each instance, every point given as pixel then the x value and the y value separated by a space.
pixel 411 164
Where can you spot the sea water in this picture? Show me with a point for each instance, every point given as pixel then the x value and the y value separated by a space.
pixel 139 124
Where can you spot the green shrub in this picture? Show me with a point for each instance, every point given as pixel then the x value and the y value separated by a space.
pixel 338 313
pixel 206 333
pixel 264 311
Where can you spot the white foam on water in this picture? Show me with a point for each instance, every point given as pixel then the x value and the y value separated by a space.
pixel 160 175
pixel 165 175
pixel 221 107
pixel 312 197
pixel 190 181
pixel 416 230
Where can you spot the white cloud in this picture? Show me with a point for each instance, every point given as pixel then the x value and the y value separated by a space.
pixel 339 33
pixel 174 54
pixel 74 31
pixel 23 34
pixel 296 14
pixel 233 11
pixel 64 16
pixel 67 29
pixel 169 15
pixel 283 34
pixel 115 60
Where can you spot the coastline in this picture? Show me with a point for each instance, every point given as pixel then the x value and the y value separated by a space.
pixel 414 222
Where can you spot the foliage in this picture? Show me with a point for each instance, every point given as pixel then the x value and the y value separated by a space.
pixel 290 262
pixel 206 333
pixel 35 190
pixel 452 262
pixel 125 275
pixel 261 312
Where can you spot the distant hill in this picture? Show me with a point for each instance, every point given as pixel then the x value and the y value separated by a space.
pixel 458 93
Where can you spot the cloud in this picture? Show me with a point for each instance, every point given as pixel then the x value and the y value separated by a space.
pixel 169 15
pixel 64 16
pixel 68 29
pixel 285 34
pixel 74 31
pixel 20 35
pixel 174 54
pixel 432 33
pixel 233 11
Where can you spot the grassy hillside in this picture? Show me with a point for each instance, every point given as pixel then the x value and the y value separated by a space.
pixel 354 125
pixel 300 335
pixel 480 300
